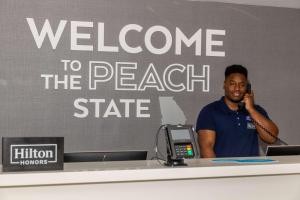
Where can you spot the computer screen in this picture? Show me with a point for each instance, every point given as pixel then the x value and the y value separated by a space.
pixel 283 150
pixel 96 156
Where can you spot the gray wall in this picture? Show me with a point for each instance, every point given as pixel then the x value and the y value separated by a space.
pixel 264 39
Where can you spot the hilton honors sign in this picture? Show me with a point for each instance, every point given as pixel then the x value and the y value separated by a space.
pixel 35 153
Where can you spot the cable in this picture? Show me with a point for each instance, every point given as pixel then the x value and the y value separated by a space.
pixel 159 160
pixel 156 142
pixel 241 107
pixel 156 145
pixel 269 132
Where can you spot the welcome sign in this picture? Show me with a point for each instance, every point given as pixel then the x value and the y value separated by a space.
pixel 32 153
pixel 122 75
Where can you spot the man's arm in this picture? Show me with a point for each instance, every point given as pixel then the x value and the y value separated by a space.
pixel 206 141
pixel 267 124
pixel 262 120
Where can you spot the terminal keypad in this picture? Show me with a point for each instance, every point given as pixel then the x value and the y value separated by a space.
pixel 184 150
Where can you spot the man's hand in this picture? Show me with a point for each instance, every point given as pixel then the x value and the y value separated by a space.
pixel 249 101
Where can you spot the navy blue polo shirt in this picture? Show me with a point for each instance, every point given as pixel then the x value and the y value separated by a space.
pixel 236 135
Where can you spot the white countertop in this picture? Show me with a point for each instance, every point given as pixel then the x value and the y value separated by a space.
pixel 150 170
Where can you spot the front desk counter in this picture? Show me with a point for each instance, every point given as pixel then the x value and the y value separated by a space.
pixel 143 180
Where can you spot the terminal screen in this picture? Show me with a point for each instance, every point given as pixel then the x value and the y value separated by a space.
pixel 180 134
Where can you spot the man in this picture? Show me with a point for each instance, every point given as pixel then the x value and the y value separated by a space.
pixel 225 130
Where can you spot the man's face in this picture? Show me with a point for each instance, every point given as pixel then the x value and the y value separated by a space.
pixel 235 87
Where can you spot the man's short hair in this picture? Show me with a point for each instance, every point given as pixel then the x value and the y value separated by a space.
pixel 236 69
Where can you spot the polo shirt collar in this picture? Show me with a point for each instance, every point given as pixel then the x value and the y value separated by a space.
pixel 224 106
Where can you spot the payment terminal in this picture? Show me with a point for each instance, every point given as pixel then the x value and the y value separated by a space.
pixel 181 144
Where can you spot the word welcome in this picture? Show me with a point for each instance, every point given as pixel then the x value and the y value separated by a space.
pixel 82 38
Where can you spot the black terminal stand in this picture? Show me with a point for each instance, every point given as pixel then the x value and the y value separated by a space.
pixel 175 162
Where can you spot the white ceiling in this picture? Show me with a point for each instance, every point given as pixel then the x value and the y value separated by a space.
pixel 274 3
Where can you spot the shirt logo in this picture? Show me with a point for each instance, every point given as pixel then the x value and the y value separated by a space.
pixel 248 118
pixel 250 125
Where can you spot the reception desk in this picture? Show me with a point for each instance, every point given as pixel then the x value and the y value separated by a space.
pixel 201 179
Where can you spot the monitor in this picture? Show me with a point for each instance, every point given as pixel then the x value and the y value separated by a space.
pixel 96 156
pixel 283 150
